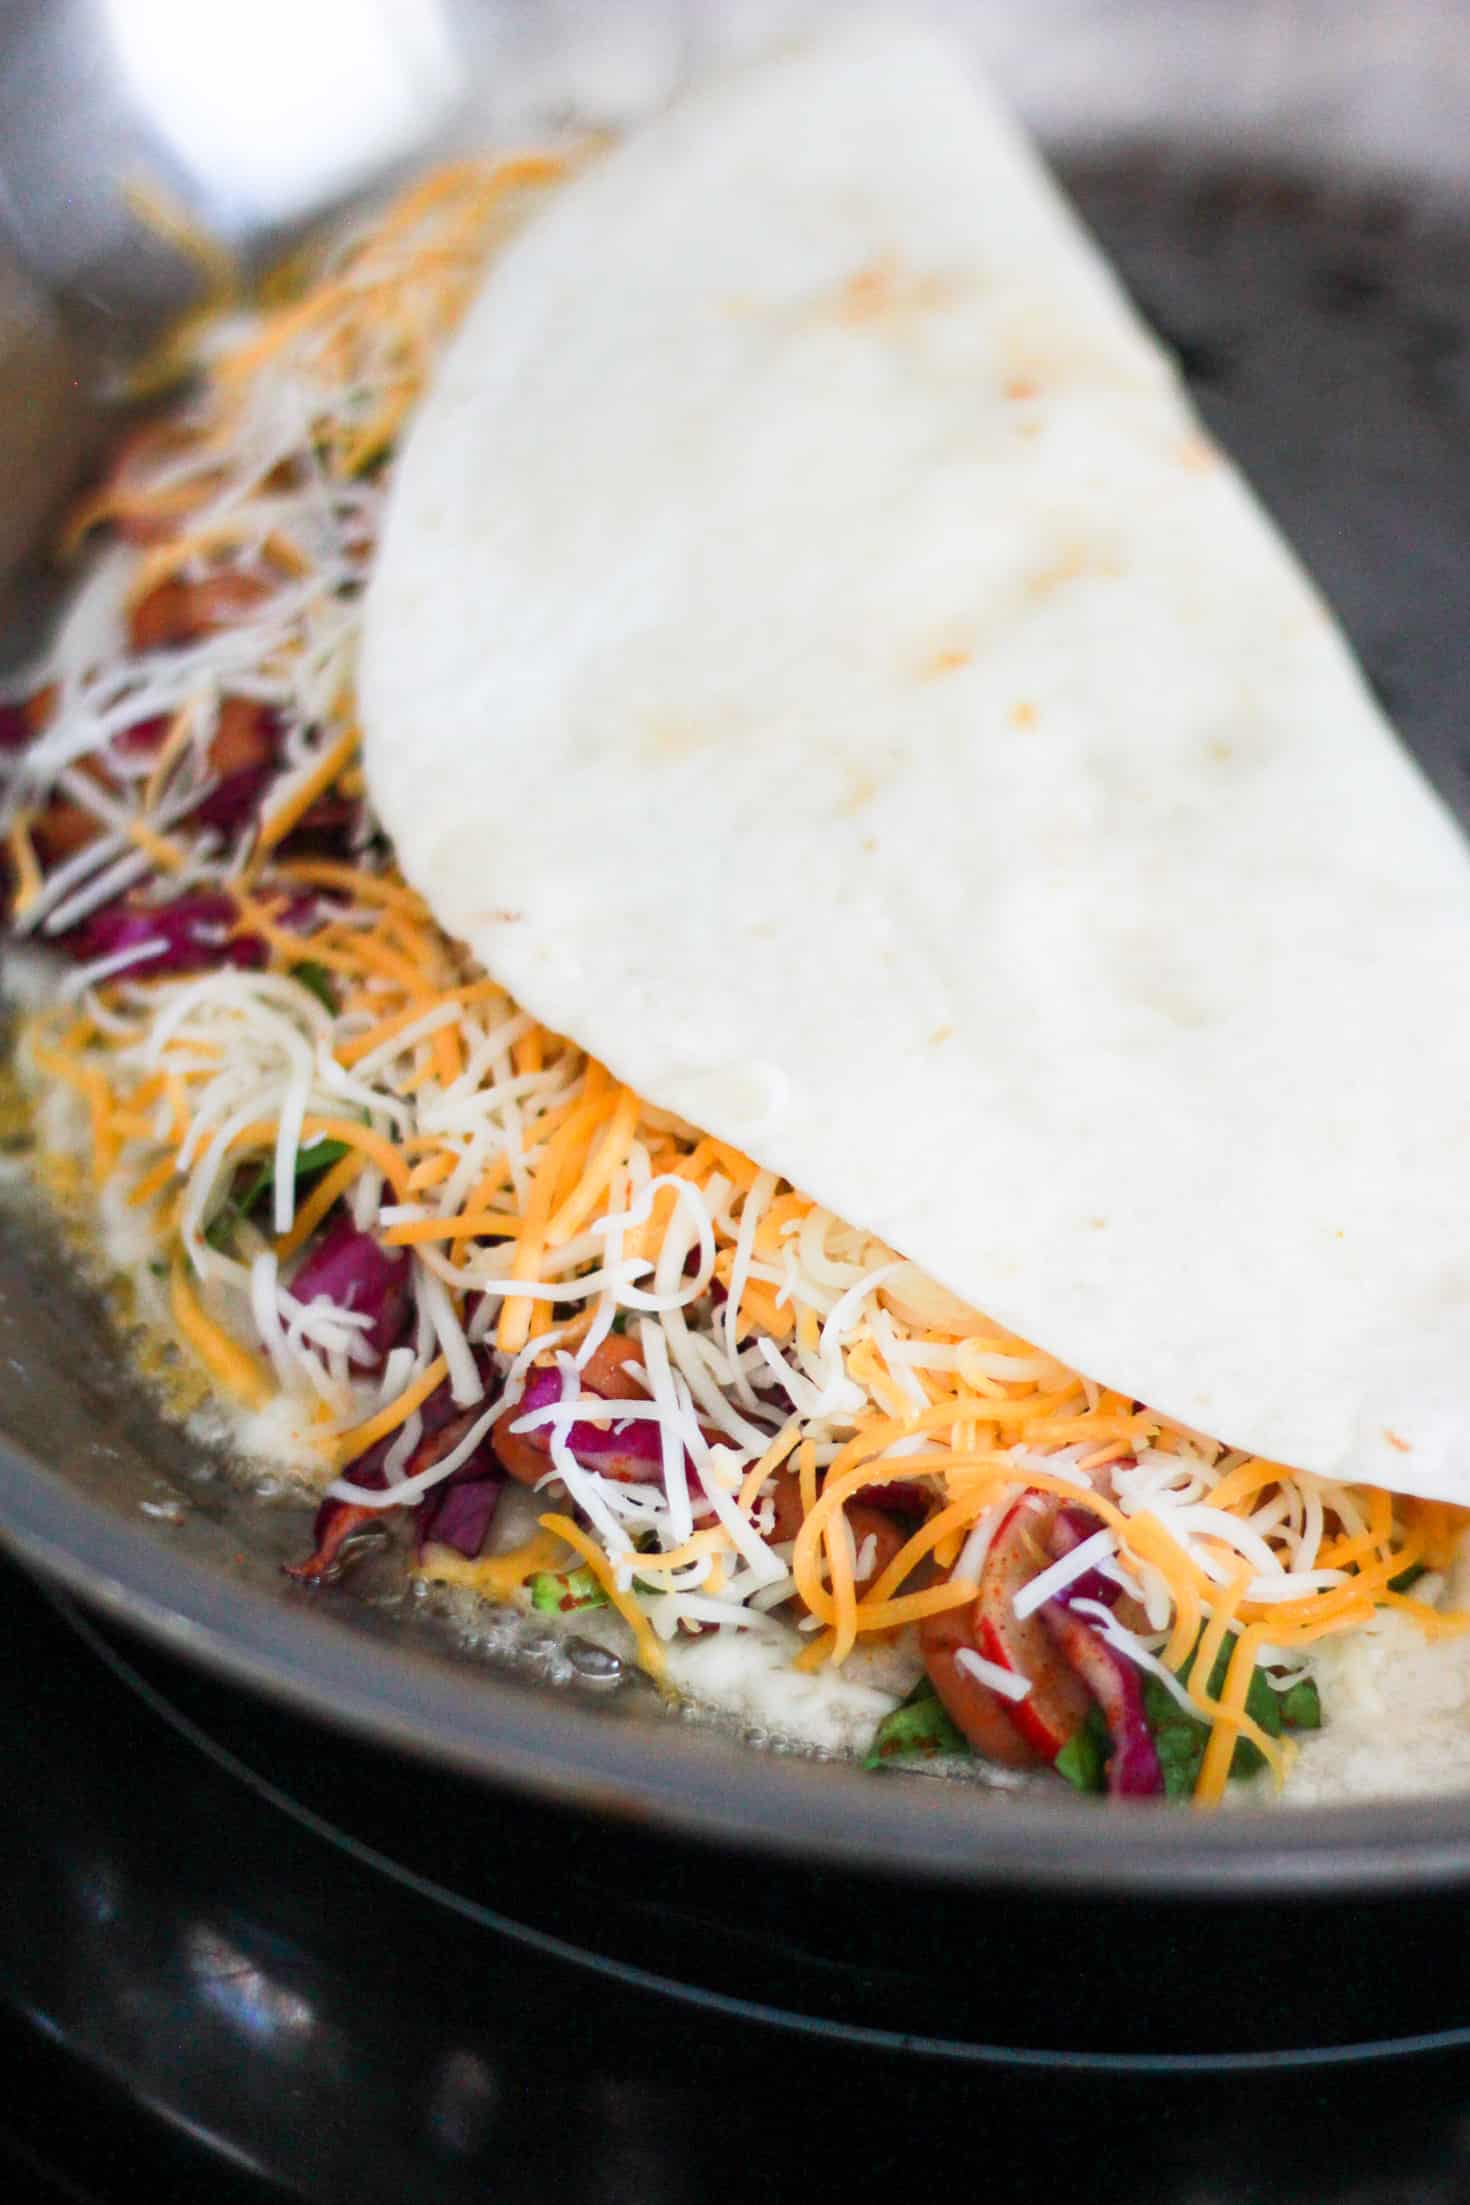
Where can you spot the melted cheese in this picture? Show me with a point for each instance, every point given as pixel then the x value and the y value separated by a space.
pixel 542 1198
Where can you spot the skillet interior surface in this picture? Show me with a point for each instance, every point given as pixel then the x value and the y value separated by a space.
pixel 1305 243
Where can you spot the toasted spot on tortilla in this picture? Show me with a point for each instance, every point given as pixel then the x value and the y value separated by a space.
pixel 882 290
pixel 1073 564
pixel 869 293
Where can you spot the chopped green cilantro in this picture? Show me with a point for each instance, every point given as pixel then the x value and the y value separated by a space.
pixel 317 980
pixel 1083 1760
pixel 918 1728
pixel 1180 1736
pixel 1301 1707
pixel 312 1158
pixel 557 1592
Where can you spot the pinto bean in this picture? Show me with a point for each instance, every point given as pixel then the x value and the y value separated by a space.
pixel 888 1536
pixel 524 1456
pixel 62 828
pixel 177 612
pixel 140 514
pixel 783 1491
pixel 244 736
pixel 610 1369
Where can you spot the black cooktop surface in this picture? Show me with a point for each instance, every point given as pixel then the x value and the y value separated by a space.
pixel 244 1957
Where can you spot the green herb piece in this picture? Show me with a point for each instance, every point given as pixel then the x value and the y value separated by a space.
pixel 317 980
pixel 1261 1704
pixel 222 1227
pixel 1084 1759
pixel 917 1729
pixel 312 1158
pixel 1180 1736
pixel 1407 1578
pixel 558 1593
pixel 1301 1707
pixel 620 1322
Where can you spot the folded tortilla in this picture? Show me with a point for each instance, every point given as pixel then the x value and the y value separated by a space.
pixel 818 662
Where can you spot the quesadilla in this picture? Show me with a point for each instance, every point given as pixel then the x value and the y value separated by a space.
pixel 817 660
pixel 849 1092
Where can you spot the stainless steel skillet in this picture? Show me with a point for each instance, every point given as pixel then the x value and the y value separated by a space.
pixel 1288 187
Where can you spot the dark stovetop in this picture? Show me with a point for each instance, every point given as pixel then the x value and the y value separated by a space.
pixel 212 1989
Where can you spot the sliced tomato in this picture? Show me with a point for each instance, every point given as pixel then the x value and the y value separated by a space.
pixel 1057 1702
pixel 980 1713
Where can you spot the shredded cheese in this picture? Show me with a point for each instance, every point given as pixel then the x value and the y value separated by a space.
pixel 780 1360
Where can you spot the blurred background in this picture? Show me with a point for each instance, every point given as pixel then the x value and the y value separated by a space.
pixel 255 122
pixel 257 119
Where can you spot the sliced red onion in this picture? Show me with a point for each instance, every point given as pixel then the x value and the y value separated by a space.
pixel 354 1271
pixel 1113 1681
pixel 334 1525
pixel 368 1470
pixel 301 914
pixel 196 930
pixel 325 827
pixel 895 1497
pixel 1070 1526
pixel 542 1388
pixel 142 738
pixel 634 1455
pixel 234 799
pixel 444 1427
pixel 459 1512
pixel 244 753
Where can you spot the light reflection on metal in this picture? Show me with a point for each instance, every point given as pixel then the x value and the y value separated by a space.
pixel 98 1892
pixel 233 1982
pixel 466 2098
pixel 277 108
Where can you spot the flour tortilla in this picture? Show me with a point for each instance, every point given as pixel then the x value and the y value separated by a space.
pixel 816 661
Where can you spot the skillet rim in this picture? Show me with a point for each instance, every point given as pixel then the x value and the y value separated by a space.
pixel 692 1781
